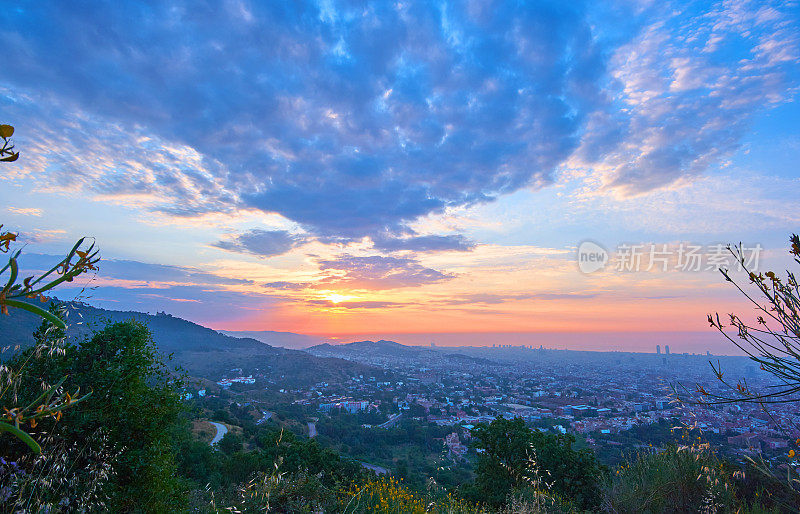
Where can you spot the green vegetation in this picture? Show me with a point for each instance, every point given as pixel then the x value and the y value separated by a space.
pixel 516 457
pixel 130 417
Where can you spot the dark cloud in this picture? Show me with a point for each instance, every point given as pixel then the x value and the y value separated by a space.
pixel 375 304
pixel 423 243
pixel 264 243
pixel 377 272
pixel 199 303
pixel 286 286
pixel 494 299
pixel 136 271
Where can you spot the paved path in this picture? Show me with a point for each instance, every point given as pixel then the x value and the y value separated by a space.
pixel 221 431
pixel 390 422
pixel 377 469
pixel 266 416
pixel 312 429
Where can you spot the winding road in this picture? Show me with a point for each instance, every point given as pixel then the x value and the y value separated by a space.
pixel 377 469
pixel 392 421
pixel 221 431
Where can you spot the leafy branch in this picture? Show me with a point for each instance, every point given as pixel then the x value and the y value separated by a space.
pixel 16 293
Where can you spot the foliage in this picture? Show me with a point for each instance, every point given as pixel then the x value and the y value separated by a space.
pixel 53 399
pixel 7 153
pixel 533 500
pixel 389 495
pixel 279 492
pixel 679 479
pixel 773 342
pixel 516 457
pixel 224 468
pixel 16 295
pixel 50 481
pixel 135 407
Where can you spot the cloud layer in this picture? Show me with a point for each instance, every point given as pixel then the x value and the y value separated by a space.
pixel 355 119
pixel 263 243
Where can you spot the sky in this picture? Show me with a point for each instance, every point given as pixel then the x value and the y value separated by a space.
pixel 342 168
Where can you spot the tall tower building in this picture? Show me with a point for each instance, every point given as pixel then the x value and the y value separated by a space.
pixel 666 349
pixel 658 349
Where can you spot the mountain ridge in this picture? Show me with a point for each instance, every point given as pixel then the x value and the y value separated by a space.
pixel 202 351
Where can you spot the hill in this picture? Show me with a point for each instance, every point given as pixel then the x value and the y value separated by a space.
pixel 272 338
pixel 379 352
pixel 203 352
pixel 363 349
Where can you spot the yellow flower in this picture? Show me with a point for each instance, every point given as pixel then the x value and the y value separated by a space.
pixel 791 454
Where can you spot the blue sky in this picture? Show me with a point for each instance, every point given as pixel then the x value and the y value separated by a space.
pixel 357 166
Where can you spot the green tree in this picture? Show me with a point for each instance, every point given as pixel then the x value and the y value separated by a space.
pixel 231 443
pixel 514 457
pixel 136 406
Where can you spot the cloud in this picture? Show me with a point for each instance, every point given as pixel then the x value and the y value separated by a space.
pixel 377 273
pixel 493 299
pixel 423 243
pixel 351 120
pixel 688 85
pixel 372 304
pixel 264 243
pixel 286 286
pixel 190 302
pixel 29 211
pixel 356 119
pixel 134 271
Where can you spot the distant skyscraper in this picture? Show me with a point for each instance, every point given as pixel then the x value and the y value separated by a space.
pixel 658 349
pixel 666 350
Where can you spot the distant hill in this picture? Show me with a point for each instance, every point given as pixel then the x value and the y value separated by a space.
pixel 272 338
pixel 367 349
pixel 203 352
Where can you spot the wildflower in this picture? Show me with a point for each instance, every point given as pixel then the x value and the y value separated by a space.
pixel 791 454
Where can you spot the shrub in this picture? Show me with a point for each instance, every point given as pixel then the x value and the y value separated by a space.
pixel 135 406
pixel 678 479
pixel 515 457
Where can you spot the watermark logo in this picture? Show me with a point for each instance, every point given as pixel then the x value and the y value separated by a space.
pixel 644 257
pixel 591 257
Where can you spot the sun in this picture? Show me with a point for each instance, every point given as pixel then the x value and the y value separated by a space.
pixel 337 298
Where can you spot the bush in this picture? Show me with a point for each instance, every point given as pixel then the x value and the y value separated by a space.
pixel 516 457
pixel 133 410
pixel 679 479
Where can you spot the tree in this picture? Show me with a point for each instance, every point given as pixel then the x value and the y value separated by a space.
pixel 135 406
pixel 515 457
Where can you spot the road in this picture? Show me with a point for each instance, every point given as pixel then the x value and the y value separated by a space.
pixel 390 422
pixel 377 469
pixel 266 415
pixel 221 431
pixel 312 429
